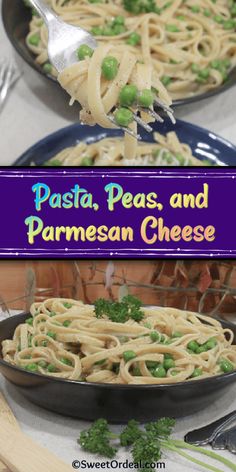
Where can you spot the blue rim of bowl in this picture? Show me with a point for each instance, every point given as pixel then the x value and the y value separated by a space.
pixel 25 158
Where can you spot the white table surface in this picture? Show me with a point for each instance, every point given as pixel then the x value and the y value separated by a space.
pixel 59 433
pixel 36 108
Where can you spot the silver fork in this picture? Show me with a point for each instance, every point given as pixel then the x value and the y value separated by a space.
pixel 63 42
pixel 9 74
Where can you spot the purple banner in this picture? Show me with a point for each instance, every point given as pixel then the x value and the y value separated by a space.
pixel 117 212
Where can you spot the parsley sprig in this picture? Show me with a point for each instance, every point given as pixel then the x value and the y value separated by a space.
pixel 146 443
pixel 119 312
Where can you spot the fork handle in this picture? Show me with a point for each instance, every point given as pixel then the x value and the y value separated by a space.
pixel 44 11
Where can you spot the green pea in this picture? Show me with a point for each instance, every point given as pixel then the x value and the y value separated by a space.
pixel 174 373
pixel 201 349
pixel 65 361
pixel 206 12
pixel 172 28
pixel 51 368
pixel 204 73
pixel 84 51
pixel 29 321
pixel 195 68
pixel 87 161
pixel 119 20
pixel 193 346
pixel 67 305
pixel 159 372
pixel 145 98
pixel 97 31
pixel 137 372
pixel 181 17
pixel 44 343
pixel 166 80
pixel 66 323
pixel 128 95
pixel 200 80
pixel 168 363
pixel 51 334
pixel 218 18
pixel 133 39
pixel 147 325
pixel 109 67
pixel 52 313
pixel 42 364
pixel 211 343
pixel 195 9
pixel 215 64
pixel 152 364
pixel 197 372
pixel 124 339
pixel 168 356
pixel 177 334
pixel 180 158
pixel 119 29
pixel 32 367
pixel 233 10
pixel 53 163
pixel 226 366
pixel 123 117
pixel 47 68
pixel 108 31
pixel 229 24
pixel 155 336
pixel 34 39
pixel 129 355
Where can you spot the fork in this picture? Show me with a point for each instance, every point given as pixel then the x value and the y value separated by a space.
pixel 8 77
pixel 63 42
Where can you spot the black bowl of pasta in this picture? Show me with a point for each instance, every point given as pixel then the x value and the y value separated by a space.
pixel 191 70
pixel 102 397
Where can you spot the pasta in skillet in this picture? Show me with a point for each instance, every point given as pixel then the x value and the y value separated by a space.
pixel 120 343
pixel 190 45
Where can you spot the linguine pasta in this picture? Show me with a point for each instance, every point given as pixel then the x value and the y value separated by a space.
pixel 191 46
pixel 65 338
pixel 166 151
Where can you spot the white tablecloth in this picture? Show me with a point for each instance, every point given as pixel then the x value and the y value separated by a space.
pixel 59 434
pixel 36 108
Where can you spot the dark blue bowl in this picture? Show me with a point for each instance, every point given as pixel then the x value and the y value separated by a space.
pixel 204 143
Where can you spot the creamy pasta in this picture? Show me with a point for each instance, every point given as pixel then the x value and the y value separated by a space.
pixel 120 343
pixel 166 151
pixel 190 45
